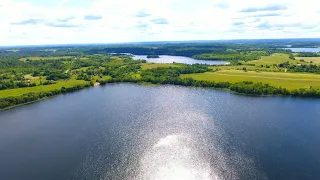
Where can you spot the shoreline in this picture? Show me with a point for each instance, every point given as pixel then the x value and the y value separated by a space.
pixel 11 107
pixel 151 84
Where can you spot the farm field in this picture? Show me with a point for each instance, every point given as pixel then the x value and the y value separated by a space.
pixel 269 63
pixel 285 80
pixel 43 88
pixel 275 58
pixel 37 58
pixel 315 60
pixel 272 59
pixel 153 66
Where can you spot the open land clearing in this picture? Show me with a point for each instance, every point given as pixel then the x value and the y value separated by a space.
pixel 153 66
pixel 43 88
pixel 285 80
pixel 315 60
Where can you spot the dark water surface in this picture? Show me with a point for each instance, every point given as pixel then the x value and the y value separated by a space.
pixel 127 131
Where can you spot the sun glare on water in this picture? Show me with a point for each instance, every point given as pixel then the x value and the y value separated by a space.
pixel 176 157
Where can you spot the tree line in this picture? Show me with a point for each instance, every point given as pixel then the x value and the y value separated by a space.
pixel 310 68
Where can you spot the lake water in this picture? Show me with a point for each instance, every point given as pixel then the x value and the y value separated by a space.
pixel 127 131
pixel 177 59
pixel 315 50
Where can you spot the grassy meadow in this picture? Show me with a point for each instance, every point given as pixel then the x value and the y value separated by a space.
pixel 153 66
pixel 315 60
pixel 45 58
pixel 276 58
pixel 285 80
pixel 44 88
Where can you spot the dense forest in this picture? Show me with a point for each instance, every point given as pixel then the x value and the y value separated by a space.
pixel 308 54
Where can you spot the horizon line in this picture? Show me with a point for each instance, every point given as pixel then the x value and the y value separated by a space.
pixel 143 42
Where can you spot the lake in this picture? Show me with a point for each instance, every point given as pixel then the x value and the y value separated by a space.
pixel 177 59
pixel 128 131
pixel 315 50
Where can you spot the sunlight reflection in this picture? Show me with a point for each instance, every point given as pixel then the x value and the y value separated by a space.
pixel 176 157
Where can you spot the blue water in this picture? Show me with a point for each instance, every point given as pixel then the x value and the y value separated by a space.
pixel 127 131
pixel 177 59
pixel 315 50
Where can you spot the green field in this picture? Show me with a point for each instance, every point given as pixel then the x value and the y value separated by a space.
pixel 34 79
pixel 275 58
pixel 153 66
pixel 272 59
pixel 315 60
pixel 285 80
pixel 104 78
pixel 272 62
pixel 43 88
pixel 45 58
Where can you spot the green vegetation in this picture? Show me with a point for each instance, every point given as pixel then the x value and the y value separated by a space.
pixel 176 76
pixel 42 88
pixel 31 74
pixel 227 57
pixel 312 60
pixel 153 66
pixel 46 58
pixel 308 54
pixel 271 60
pixel 23 81
pixel 277 79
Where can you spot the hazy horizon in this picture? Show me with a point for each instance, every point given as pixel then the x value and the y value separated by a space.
pixel 161 42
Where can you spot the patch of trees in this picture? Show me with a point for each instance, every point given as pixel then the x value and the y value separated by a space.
pixel 229 57
pixel 251 88
pixel 310 68
pixel 119 71
pixel 11 84
pixel 79 63
pixel 308 54
pixel 56 75
pixel 292 57
pixel 159 75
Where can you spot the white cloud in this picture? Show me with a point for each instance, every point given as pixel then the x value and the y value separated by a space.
pixel 103 21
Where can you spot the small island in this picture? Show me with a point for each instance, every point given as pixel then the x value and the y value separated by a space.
pixel 153 56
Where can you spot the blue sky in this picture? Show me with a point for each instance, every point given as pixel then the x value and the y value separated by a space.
pixel 27 22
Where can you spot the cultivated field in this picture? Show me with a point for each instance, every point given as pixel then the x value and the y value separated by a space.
pixel 315 60
pixel 43 88
pixel 46 58
pixel 153 66
pixel 286 80
pixel 275 58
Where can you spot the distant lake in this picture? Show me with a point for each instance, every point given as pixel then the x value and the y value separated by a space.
pixel 177 59
pixel 304 49
pixel 133 132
